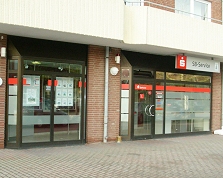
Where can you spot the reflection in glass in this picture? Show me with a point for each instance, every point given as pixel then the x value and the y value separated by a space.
pixel 201 10
pixel 125 73
pixel 143 107
pixel 13 64
pixel 187 108
pixel 124 107
pixel 52 66
pixel 188 77
pixel 159 75
pixel 159 105
pixel 12 107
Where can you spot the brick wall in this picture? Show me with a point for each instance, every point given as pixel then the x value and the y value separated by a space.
pixel 216 101
pixel 113 98
pixel 169 3
pixel 3 43
pixel 95 96
pixel 216 10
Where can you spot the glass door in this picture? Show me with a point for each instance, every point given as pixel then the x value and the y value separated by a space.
pixel 67 108
pixel 143 109
pixel 37 104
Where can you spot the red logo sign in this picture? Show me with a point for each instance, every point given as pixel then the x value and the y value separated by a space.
pixel 141 96
pixel 181 62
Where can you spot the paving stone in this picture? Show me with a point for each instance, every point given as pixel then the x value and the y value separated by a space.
pixel 184 157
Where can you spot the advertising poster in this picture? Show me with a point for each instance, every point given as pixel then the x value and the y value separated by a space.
pixel 31 90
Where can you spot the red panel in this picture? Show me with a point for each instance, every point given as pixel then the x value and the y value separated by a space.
pixel 173 88
pixel 188 89
pixel 14 81
pixel 49 82
pixel 125 86
pixel 80 84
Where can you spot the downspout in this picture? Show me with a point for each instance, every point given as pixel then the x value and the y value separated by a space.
pixel 106 95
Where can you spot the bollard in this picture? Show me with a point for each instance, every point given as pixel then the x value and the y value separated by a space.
pixel 119 139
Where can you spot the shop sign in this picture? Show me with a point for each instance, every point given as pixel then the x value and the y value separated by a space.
pixel 199 64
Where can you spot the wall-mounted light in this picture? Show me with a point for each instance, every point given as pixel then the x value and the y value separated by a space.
pixel 3 52
pixel 114 70
pixel 117 58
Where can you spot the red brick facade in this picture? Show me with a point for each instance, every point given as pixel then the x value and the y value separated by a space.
pixel 95 95
pixel 216 10
pixel 216 101
pixel 3 43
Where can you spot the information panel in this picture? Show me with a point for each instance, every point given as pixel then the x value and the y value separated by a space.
pixel 64 91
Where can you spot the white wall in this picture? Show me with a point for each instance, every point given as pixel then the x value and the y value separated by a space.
pixel 88 17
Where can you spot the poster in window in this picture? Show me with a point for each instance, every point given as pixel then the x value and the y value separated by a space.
pixel 28 80
pixel 31 91
pixel 58 93
pixel 70 83
pixel 59 83
pixel 58 102
pixel 31 96
pixel 36 82
pixel 70 93
pixel 64 83
pixel 64 93
pixel 64 101
pixel 70 101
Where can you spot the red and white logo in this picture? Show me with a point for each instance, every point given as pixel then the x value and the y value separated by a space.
pixel 181 62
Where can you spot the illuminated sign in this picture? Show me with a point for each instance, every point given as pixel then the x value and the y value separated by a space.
pixel 199 64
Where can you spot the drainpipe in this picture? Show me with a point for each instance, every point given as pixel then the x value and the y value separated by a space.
pixel 106 95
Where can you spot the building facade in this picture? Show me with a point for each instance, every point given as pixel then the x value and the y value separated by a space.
pixel 75 72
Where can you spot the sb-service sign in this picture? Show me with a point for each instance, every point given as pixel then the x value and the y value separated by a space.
pixel 199 64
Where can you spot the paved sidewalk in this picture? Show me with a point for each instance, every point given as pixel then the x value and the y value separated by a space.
pixel 191 156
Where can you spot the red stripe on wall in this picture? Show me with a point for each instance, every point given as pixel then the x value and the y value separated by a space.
pixel 168 88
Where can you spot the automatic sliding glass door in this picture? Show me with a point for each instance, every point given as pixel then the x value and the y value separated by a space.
pixel 143 109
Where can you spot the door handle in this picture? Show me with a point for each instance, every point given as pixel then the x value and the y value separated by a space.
pixel 150 110
pixel 148 113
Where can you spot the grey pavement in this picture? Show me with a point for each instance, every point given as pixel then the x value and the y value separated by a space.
pixel 190 156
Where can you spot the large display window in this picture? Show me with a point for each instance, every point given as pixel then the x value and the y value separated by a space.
pixel 51 102
pixel 187 108
pixel 38 108
pixel 166 103
pixel 46 92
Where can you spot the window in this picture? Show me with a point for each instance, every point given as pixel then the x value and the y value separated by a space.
pixel 196 8
pixel 134 2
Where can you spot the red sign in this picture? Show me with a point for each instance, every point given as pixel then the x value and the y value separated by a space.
pixel 181 62
pixel 141 96
pixel 143 87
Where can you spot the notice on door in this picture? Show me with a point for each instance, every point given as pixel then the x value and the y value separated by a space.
pixel 64 91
